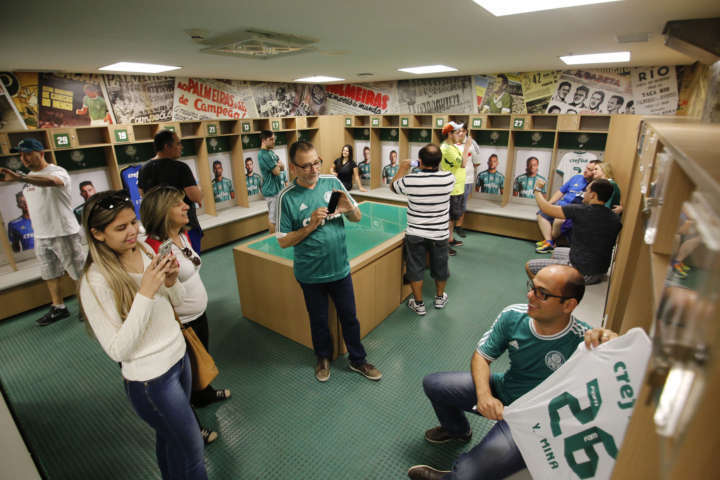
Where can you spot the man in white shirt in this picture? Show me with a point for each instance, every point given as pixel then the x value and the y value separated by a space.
pixel 57 232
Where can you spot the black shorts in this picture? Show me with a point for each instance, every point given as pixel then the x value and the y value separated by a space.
pixel 416 250
pixel 456 206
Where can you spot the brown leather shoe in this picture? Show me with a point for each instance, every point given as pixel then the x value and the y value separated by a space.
pixel 440 435
pixel 423 472
pixel 322 370
pixel 367 370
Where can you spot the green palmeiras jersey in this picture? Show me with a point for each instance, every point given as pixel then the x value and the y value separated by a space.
pixel 533 357
pixel 96 107
pixel 253 182
pixel 389 172
pixel 491 182
pixel 271 183
pixel 524 185
pixel 322 256
pixel 364 170
pixel 222 189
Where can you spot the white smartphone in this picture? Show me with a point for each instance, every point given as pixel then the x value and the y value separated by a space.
pixel 165 248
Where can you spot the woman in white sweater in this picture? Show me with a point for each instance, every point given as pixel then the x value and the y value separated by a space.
pixel 164 216
pixel 127 296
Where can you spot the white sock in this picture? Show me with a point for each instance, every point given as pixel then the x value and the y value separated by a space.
pixel 60 307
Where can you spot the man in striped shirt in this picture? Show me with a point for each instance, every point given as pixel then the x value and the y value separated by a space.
pixel 428 193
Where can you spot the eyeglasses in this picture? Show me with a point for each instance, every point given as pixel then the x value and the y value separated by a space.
pixel 308 166
pixel 542 294
pixel 193 258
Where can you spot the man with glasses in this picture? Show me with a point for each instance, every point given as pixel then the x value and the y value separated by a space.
pixel 320 261
pixel 539 337
pixel 46 190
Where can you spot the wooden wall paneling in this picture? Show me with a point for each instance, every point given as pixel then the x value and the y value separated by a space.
pixel 620 149
pixel 205 175
pixel 376 156
pixel 234 231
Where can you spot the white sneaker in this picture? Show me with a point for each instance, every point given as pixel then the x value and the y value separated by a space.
pixel 418 308
pixel 440 302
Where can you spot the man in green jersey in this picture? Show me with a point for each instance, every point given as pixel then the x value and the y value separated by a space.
pixel 252 179
pixel 490 180
pixel 320 261
pixel 364 167
pixel 272 174
pixel 222 187
pixel 524 184
pixel 500 100
pixel 539 337
pixel 389 171
pixel 94 106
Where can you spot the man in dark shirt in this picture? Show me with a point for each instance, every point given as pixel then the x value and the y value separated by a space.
pixel 166 169
pixel 595 228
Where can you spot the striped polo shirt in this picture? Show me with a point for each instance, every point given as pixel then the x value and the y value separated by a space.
pixel 428 202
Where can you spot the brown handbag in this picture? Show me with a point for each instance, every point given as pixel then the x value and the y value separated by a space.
pixel 203 366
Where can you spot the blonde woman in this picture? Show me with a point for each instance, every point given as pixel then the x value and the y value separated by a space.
pixel 604 170
pixel 165 216
pixel 128 297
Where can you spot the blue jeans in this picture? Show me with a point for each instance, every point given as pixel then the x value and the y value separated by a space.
pixel 496 456
pixel 164 403
pixel 343 296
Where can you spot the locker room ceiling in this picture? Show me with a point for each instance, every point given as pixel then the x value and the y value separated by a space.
pixel 377 36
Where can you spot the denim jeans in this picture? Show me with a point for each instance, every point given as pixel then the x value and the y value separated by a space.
pixel 343 296
pixel 164 403
pixel 496 456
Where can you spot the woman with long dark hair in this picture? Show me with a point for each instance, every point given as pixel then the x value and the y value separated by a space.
pixel 345 168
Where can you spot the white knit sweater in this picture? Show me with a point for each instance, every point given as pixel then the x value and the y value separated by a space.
pixel 149 341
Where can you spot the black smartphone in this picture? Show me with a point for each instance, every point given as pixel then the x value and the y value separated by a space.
pixel 334 199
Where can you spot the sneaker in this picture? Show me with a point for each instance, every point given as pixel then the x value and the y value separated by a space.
pixel 460 231
pixel 423 472
pixel 546 247
pixel 208 435
pixel 456 243
pixel 452 252
pixel 440 302
pixel 367 370
pixel 416 307
pixel 440 435
pixel 208 396
pixel 679 269
pixel 322 370
pixel 52 316
pixel 222 394
pixel 540 243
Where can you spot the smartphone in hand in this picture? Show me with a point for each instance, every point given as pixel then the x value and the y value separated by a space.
pixel 334 199
pixel 165 248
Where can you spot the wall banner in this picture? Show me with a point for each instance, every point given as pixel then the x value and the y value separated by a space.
pixel 209 99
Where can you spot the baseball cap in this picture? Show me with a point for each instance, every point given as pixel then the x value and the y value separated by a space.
pixel 451 127
pixel 28 145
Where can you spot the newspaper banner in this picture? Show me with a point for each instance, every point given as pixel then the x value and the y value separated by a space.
pixel 23 89
pixel 10 119
pixel 289 99
pixel 209 99
pixel 655 90
pixel 435 95
pixel 499 94
pixel 538 88
pixel 373 98
pixel 592 91
pixel 70 100
pixel 140 99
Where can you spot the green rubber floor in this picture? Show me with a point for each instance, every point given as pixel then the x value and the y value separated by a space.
pixel 68 400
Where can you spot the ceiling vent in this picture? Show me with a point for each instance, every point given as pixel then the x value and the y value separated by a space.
pixel 258 44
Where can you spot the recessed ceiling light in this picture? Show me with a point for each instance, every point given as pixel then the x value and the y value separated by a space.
pixel 319 79
pixel 611 57
pixel 138 67
pixel 500 8
pixel 428 69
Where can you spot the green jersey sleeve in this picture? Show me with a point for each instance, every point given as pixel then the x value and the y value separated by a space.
pixel 494 342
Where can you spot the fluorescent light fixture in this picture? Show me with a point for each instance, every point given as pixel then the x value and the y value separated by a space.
pixel 500 8
pixel 428 69
pixel 138 67
pixel 611 57
pixel 319 79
